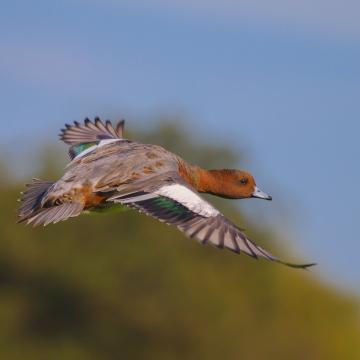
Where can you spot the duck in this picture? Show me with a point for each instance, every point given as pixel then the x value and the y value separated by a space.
pixel 108 170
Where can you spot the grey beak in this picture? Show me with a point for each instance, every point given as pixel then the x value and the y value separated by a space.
pixel 260 194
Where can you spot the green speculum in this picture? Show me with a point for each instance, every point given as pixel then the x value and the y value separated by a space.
pixel 172 206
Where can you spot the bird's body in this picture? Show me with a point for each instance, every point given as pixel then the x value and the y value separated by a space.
pixel 107 170
pixel 124 164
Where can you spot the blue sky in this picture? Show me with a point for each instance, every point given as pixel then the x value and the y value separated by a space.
pixel 280 81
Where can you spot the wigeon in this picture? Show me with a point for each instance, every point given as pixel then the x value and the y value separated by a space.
pixel 107 170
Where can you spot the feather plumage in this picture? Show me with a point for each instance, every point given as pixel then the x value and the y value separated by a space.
pixel 214 228
pixel 90 132
pixel 31 198
pixel 54 214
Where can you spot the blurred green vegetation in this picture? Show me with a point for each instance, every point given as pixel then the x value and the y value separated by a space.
pixel 124 286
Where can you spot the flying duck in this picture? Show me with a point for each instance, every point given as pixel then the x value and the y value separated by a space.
pixel 107 169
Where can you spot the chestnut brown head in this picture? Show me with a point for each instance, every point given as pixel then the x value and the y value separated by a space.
pixel 233 184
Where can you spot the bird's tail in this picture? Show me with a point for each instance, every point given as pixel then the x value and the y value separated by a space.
pixel 33 212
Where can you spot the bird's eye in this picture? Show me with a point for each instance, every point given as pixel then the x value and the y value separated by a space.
pixel 244 181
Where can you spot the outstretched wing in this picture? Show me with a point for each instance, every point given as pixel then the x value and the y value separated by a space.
pixel 89 131
pixel 81 137
pixel 177 204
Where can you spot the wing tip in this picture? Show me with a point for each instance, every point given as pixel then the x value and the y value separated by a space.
pixel 297 266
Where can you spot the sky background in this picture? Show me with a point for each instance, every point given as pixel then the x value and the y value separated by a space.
pixel 279 80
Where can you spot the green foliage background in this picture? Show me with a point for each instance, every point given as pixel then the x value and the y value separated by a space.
pixel 123 286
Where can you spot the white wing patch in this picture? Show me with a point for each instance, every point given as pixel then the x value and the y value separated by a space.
pixel 94 147
pixel 188 198
pixel 108 141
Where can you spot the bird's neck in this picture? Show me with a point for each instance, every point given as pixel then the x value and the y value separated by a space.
pixel 214 182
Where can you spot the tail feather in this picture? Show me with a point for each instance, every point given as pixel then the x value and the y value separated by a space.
pixel 31 209
pixel 31 198
pixel 62 212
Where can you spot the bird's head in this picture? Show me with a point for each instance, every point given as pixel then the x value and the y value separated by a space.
pixel 233 184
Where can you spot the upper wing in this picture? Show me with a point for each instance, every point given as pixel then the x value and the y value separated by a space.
pixel 178 205
pixel 89 131
pixel 87 135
